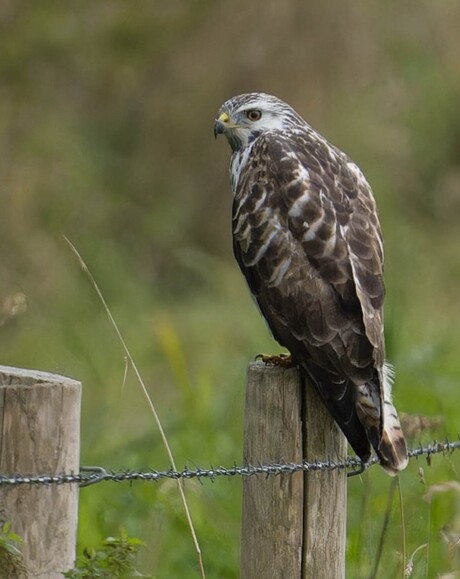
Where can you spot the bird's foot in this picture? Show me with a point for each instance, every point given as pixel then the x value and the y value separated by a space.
pixel 283 360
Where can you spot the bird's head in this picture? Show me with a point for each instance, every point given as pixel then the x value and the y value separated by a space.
pixel 245 117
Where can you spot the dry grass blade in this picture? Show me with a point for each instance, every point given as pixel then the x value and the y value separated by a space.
pixel 130 360
pixel 383 534
pixel 403 526
pixel 409 568
pixel 450 485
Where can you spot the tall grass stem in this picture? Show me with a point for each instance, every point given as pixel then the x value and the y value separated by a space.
pixel 150 403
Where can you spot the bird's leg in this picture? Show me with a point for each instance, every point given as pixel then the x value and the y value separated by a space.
pixel 283 360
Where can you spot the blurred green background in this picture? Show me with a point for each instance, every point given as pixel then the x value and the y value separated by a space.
pixel 106 114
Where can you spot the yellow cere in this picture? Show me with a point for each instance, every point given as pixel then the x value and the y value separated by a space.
pixel 224 118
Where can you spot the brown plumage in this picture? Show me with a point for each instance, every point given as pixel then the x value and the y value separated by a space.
pixel 308 241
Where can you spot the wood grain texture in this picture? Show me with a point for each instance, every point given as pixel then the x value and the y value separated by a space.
pixel 293 526
pixel 325 492
pixel 271 542
pixel 40 434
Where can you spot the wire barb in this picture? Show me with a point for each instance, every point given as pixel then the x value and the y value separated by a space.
pixel 97 474
pixel 90 475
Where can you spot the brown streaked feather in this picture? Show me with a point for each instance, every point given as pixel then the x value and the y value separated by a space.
pixel 317 296
pixel 307 238
pixel 313 309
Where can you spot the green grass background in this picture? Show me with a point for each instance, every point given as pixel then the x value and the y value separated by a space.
pixel 106 113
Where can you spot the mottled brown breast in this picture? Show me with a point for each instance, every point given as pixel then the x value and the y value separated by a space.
pixel 307 238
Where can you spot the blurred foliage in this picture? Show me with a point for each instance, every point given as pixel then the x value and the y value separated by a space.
pixel 11 560
pixel 106 112
pixel 114 560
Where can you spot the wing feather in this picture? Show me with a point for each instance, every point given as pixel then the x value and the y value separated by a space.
pixel 308 240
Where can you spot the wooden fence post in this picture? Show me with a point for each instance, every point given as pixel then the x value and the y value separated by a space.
pixel 325 492
pixel 40 434
pixel 293 525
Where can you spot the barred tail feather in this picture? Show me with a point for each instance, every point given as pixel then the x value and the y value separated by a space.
pixel 392 450
pixel 380 420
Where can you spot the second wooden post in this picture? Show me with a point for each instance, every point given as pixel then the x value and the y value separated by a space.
pixel 40 435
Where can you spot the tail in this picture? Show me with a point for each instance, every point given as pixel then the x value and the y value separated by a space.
pixel 380 419
pixel 392 450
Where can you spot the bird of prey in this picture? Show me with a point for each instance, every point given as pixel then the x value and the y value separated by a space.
pixel 307 238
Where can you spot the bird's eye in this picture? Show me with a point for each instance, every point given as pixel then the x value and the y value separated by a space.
pixel 253 114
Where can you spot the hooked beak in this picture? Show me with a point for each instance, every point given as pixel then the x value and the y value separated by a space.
pixel 221 124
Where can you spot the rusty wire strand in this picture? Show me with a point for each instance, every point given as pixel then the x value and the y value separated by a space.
pixel 93 475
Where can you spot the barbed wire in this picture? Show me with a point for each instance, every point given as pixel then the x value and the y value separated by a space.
pixel 96 474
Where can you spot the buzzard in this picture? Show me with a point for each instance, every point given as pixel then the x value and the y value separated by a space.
pixel 307 238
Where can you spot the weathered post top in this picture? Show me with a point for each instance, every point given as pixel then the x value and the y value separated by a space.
pixel 40 435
